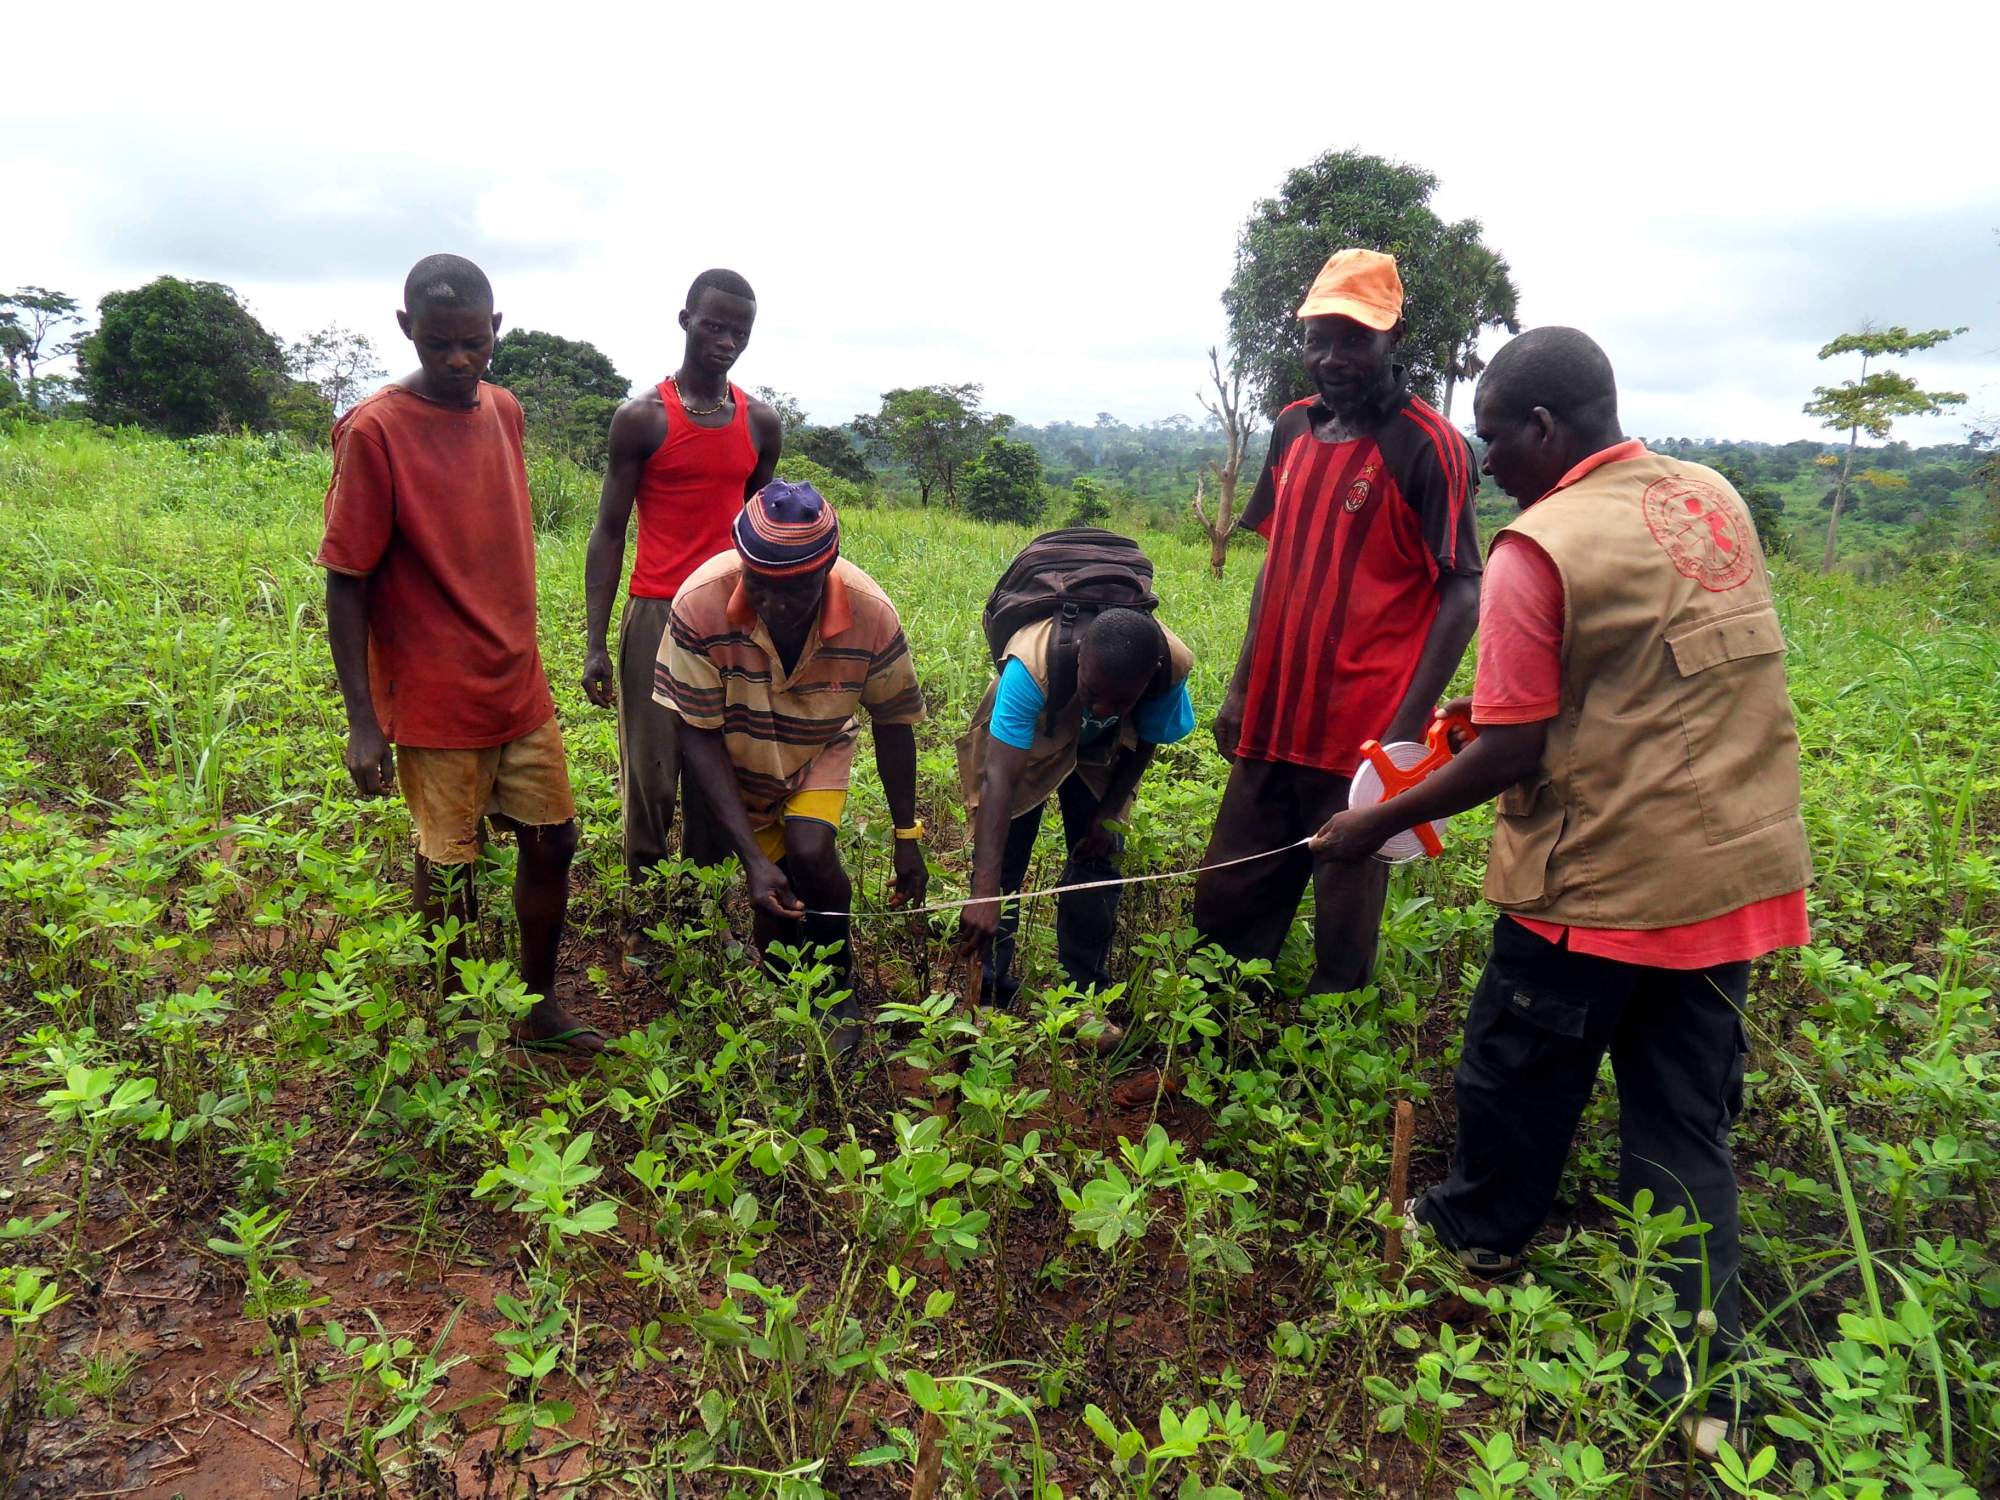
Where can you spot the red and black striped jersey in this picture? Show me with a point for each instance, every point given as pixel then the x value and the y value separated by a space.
pixel 1359 532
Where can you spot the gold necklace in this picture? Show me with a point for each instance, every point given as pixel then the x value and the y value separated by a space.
pixel 698 411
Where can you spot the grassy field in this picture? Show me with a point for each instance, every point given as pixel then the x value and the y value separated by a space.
pixel 286 1215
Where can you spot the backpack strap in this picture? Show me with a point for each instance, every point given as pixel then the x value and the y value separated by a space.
pixel 1062 664
pixel 1163 675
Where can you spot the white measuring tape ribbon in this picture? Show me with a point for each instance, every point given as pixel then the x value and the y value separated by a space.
pixel 1057 890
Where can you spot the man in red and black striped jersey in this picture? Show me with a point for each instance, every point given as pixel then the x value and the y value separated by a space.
pixel 1363 607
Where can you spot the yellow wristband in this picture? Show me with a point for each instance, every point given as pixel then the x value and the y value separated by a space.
pixel 913 832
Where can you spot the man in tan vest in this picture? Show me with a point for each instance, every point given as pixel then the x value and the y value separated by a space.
pixel 1089 753
pixel 1633 722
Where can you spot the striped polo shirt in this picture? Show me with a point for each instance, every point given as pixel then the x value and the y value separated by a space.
pixel 1360 532
pixel 785 733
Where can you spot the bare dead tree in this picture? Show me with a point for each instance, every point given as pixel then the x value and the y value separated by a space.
pixel 1228 409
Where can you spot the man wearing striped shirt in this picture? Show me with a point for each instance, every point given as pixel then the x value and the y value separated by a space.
pixel 769 651
pixel 1366 600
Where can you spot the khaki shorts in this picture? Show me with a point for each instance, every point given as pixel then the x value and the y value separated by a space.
pixel 449 792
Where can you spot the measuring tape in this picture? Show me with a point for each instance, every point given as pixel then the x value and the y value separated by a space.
pixel 1057 890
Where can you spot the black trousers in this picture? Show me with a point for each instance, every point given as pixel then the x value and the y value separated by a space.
pixel 1539 1025
pixel 1249 908
pixel 1085 920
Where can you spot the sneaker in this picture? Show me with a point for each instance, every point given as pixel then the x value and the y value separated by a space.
pixel 1704 1434
pixel 1487 1265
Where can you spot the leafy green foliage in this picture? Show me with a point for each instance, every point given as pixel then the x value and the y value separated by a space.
pixel 832 449
pixel 1004 483
pixel 183 357
pixel 1452 284
pixel 935 432
pixel 568 390
pixel 31 317
pixel 790 413
pixel 1872 403
pixel 1766 507
pixel 1091 508
pixel 843 492
pixel 338 363
pixel 965 1253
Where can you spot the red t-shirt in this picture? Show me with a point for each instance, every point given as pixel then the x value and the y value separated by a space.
pixel 429 503
pixel 1519 681
pixel 1360 532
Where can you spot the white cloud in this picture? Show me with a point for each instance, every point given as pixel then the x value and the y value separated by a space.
pixel 1043 198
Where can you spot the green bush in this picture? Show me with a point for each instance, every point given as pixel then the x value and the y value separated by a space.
pixel 1004 483
pixel 844 493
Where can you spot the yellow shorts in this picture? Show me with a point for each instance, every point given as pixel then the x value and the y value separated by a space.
pixel 449 792
pixel 811 806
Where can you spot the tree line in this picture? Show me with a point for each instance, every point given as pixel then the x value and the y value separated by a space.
pixel 186 357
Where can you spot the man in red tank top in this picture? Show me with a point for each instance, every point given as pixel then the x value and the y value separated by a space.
pixel 687 454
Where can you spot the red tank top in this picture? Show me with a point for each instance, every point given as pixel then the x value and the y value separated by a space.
pixel 689 493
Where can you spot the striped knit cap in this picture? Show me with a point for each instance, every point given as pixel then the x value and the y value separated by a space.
pixel 786 530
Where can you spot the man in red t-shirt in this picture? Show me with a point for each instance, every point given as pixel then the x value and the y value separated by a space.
pixel 430 610
pixel 686 454
pixel 1645 588
pixel 1361 611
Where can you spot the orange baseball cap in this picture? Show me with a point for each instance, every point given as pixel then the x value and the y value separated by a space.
pixel 1358 284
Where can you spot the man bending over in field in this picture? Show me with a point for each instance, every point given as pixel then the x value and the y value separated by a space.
pixel 430 609
pixel 1127 696
pixel 770 649
pixel 686 455
pixel 1634 724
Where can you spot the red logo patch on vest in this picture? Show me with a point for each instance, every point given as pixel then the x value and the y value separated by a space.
pixel 1701 533
pixel 1357 492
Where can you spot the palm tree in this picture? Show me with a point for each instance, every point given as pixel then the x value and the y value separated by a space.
pixel 1488 298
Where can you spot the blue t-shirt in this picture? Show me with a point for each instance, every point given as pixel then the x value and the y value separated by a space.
pixel 1018 705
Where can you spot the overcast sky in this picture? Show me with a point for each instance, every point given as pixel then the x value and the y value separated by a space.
pixel 1043 198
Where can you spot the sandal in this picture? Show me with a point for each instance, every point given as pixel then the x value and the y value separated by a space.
pixel 563 1042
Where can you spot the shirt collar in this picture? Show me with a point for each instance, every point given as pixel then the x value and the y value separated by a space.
pixel 1617 453
pixel 836 611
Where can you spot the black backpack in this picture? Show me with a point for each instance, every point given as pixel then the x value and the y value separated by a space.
pixel 1069 576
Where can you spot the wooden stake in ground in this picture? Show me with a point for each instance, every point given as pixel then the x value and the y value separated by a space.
pixel 930 1456
pixel 1399 1180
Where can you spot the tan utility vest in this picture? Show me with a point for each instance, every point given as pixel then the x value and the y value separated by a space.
pixel 1054 754
pixel 1669 787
